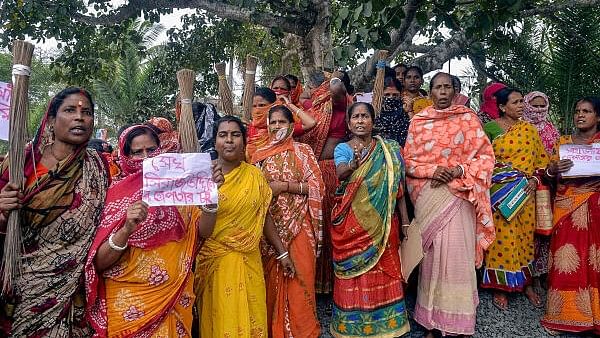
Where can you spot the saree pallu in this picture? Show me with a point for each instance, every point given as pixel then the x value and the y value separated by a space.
pixel 58 226
pixel 447 226
pixel 230 285
pixel 298 218
pixel 574 263
pixel 509 261
pixel 368 299
pixel 149 292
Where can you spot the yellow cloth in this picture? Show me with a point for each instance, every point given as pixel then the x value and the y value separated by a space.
pixel 512 252
pixel 146 282
pixel 229 275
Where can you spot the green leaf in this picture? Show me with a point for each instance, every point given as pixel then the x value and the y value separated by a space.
pixel 358 12
pixel 367 9
pixel 343 13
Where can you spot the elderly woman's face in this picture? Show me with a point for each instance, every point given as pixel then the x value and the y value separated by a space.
pixel 74 121
pixel 442 92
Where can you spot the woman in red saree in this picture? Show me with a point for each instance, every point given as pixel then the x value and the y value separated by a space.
pixel 327 105
pixel 295 179
pixel 368 299
pixel 573 302
pixel 139 268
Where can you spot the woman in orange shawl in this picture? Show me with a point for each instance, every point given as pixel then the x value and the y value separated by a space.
pixel 573 303
pixel 263 100
pixel 139 268
pixel 449 163
pixel 295 179
pixel 327 105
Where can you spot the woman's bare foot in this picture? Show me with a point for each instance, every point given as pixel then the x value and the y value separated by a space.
pixel 533 297
pixel 500 300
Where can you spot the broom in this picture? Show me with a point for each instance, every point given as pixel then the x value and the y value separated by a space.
pixel 379 78
pixel 224 90
pixel 249 76
pixel 11 258
pixel 187 128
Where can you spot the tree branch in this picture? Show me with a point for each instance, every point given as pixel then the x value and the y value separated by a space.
pixel 454 46
pixel 294 25
pixel 364 72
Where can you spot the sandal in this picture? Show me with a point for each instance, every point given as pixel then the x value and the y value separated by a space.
pixel 500 300
pixel 533 297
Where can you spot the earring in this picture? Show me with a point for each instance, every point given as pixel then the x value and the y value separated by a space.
pixel 51 130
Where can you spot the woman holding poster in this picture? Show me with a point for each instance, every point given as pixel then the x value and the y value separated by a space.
pixel 574 273
pixel 139 268
pixel 230 282
pixel 295 179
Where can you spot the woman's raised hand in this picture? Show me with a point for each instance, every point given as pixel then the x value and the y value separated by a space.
pixel 217 173
pixel 136 214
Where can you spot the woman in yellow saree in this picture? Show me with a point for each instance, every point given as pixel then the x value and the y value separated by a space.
pixel 230 284
pixel 519 151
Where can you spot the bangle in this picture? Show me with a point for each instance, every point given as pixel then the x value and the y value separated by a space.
pixel 114 246
pixel 301 189
pixel 209 210
pixel 283 255
pixel 536 179
pixel 405 225
pixel 462 170
pixel 548 173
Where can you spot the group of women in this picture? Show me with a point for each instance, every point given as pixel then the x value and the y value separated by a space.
pixel 313 196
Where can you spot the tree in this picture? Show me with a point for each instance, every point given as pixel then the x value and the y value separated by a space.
pixel 323 33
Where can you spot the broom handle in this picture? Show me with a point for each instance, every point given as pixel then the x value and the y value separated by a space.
pixel 379 82
pixel 19 108
pixel 224 90
pixel 249 80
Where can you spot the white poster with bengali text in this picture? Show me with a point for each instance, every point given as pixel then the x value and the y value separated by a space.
pixel 5 92
pixel 179 179
pixel 586 159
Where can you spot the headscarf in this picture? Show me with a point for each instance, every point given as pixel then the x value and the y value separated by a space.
pixel 489 106
pixel 296 91
pixel 279 142
pixel 539 118
pixel 168 136
pixel 163 224
pixel 392 123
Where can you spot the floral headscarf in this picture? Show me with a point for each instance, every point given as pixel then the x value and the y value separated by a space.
pixel 539 118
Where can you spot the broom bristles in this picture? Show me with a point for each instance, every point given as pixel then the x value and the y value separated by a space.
pixel 11 259
pixel 379 83
pixel 187 128
pixel 224 90
pixel 249 80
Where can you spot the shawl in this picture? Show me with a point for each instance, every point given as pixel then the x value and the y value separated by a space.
pixel 489 107
pixel 278 143
pixel 59 216
pixel 321 110
pixel 364 212
pixel 539 118
pixel 169 137
pixel 258 132
pixel 452 137
pixel 392 123
pixel 296 91
pixel 163 224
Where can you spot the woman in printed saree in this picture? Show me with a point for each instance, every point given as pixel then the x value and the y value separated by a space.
pixel 519 154
pixel 284 91
pixel 413 97
pixel 368 299
pixel 139 268
pixel 535 112
pixel 65 187
pixel 392 123
pixel 449 163
pixel 295 179
pixel 573 302
pixel 263 100
pixel 327 105
pixel 230 284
